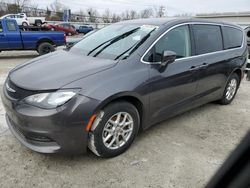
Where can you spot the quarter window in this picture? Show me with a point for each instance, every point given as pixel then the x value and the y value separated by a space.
pixel 208 38
pixel 232 37
pixel 176 40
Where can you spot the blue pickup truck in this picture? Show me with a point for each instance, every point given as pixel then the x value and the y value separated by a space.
pixel 12 38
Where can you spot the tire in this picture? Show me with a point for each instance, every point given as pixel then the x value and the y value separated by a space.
pixel 229 94
pixel 24 24
pixel 98 134
pixel 45 48
pixel 38 23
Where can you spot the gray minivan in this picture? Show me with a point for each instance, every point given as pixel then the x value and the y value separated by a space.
pixel 120 80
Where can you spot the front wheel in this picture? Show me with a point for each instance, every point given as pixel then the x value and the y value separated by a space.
pixel 231 89
pixel 45 48
pixel 114 129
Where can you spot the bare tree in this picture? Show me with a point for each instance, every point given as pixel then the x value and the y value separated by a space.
pixel 133 14
pixel 125 15
pixel 115 18
pixel 82 15
pixel 106 16
pixel 184 15
pixel 57 6
pixel 21 3
pixel 160 12
pixel 92 15
pixel 147 13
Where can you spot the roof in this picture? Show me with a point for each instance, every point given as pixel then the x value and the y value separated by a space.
pixel 175 20
pixel 225 14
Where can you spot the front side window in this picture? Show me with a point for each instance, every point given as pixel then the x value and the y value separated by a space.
pixel 208 38
pixel 117 41
pixel 232 37
pixel 11 26
pixel 176 40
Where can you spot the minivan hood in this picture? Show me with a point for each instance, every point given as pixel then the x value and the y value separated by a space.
pixel 52 71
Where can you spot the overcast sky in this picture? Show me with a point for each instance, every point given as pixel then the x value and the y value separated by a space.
pixel 172 6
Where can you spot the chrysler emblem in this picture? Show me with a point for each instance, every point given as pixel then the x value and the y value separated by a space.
pixel 9 88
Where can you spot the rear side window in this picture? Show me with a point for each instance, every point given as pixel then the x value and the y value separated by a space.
pixel 1 28
pixel 232 37
pixel 208 38
pixel 11 26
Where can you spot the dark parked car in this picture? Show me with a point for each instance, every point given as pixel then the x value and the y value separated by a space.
pixel 84 29
pixel 67 28
pixel 122 79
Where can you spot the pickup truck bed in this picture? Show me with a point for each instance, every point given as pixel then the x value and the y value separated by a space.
pixel 12 38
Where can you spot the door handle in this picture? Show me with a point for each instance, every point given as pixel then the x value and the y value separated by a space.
pixel 204 65
pixel 193 68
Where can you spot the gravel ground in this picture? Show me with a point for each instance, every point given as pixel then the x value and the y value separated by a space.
pixel 184 151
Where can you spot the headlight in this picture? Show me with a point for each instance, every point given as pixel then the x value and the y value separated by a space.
pixel 50 100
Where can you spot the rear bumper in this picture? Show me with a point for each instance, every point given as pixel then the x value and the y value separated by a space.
pixel 60 130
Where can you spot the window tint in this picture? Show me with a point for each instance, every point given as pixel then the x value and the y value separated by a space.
pixel 176 40
pixel 208 38
pixel 11 16
pixel 11 26
pixel 1 28
pixel 232 37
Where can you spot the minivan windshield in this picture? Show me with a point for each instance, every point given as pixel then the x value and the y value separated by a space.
pixel 117 41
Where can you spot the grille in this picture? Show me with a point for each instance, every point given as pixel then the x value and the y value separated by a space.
pixel 19 92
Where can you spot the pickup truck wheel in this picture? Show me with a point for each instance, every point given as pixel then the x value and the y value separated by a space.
pixel 38 23
pixel 45 48
pixel 24 24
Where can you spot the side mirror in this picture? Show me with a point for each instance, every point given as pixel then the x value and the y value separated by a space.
pixel 168 57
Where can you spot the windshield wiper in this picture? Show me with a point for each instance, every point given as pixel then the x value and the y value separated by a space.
pixel 135 46
pixel 115 39
pixel 111 41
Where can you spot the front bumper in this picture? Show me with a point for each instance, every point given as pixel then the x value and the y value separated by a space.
pixel 50 130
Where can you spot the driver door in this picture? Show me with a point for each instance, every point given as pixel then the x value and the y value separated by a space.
pixel 172 87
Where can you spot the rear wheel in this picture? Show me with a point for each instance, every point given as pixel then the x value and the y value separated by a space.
pixel 24 24
pixel 45 48
pixel 231 89
pixel 114 129
pixel 38 23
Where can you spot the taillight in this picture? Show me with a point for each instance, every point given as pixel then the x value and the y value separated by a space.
pixel 64 37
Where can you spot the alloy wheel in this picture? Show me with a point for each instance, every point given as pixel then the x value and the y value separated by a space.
pixel 118 130
pixel 231 89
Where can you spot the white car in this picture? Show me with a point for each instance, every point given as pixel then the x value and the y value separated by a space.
pixel 37 21
pixel 20 19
